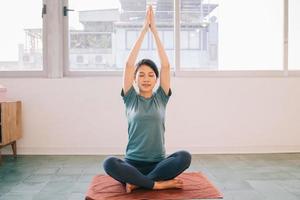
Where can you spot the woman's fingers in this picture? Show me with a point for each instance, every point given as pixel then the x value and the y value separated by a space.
pixel 151 10
pixel 149 14
pixel 147 20
pixel 152 21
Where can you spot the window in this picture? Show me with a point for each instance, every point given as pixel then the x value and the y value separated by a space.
pixel 251 35
pixel 194 39
pixel 131 37
pixel 294 32
pixel 21 36
pixel 168 40
pixel 108 29
pixel 90 40
pixel 184 42
pixel 233 35
pixel 79 59
pixel 214 35
pixel 198 21
pixel 98 59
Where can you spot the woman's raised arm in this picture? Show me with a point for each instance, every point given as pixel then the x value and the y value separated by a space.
pixel 164 61
pixel 128 74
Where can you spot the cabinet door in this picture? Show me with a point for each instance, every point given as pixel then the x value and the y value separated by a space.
pixel 11 121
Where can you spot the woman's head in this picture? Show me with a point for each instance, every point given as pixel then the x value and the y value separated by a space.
pixel 146 75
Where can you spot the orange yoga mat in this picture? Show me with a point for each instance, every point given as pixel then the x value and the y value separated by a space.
pixel 195 186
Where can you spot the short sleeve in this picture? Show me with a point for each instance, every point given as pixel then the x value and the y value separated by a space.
pixel 129 96
pixel 162 96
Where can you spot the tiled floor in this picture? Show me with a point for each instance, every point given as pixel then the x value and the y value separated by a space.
pixel 239 177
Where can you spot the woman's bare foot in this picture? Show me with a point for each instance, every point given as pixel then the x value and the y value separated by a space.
pixel 158 185
pixel 173 183
pixel 130 187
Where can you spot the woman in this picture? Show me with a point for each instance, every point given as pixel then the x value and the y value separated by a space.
pixel 145 164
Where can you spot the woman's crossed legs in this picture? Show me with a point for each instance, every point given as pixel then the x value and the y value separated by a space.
pixel 161 175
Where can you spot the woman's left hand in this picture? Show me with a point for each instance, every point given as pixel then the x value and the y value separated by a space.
pixel 152 20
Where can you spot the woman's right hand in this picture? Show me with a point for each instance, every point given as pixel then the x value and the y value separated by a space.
pixel 152 20
pixel 147 20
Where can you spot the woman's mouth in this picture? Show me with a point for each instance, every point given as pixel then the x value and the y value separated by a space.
pixel 146 85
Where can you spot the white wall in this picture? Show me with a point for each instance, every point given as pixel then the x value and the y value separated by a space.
pixel 204 115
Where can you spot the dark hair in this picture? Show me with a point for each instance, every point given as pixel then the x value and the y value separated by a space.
pixel 149 63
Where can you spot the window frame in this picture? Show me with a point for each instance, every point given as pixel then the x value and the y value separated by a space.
pixel 57 66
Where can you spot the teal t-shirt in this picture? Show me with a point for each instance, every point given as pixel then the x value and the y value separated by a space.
pixel 146 125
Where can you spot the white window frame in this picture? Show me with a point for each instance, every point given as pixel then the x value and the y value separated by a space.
pixel 56 52
pixel 234 73
pixel 185 72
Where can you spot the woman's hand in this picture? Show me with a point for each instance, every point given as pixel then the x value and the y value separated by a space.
pixel 152 20
pixel 147 21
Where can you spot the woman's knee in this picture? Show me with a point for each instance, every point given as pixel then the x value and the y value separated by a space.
pixel 185 158
pixel 109 164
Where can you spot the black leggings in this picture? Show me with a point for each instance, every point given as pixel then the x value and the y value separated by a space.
pixel 144 174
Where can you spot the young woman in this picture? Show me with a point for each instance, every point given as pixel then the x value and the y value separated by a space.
pixel 145 164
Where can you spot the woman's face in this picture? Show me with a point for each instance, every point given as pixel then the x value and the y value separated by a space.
pixel 145 78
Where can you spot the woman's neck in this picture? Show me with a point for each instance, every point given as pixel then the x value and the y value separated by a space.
pixel 146 94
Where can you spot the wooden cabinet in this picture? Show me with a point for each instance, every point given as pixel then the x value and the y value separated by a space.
pixel 10 124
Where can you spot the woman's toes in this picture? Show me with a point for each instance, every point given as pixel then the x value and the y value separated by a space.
pixel 128 188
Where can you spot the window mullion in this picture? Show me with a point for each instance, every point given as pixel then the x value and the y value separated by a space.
pixel 177 35
pixel 285 36
pixel 54 39
pixel 45 33
pixel 65 32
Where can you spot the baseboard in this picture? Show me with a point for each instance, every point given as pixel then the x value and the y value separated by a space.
pixel 121 150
